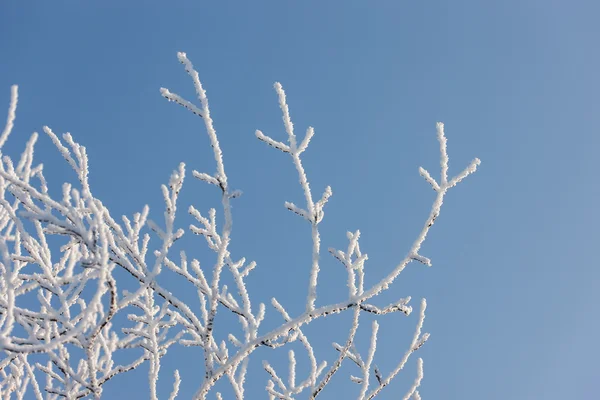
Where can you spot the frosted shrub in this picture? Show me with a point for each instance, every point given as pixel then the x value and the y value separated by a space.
pixel 58 303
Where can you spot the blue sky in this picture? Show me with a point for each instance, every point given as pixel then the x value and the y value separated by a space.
pixel 513 292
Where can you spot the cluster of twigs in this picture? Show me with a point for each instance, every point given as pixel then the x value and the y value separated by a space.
pixel 43 310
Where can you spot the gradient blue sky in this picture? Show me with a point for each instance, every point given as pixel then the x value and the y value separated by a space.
pixel 514 290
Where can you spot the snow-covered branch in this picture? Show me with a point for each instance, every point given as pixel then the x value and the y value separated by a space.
pixel 68 270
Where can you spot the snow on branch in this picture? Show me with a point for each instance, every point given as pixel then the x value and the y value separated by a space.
pixel 12 108
pixel 59 302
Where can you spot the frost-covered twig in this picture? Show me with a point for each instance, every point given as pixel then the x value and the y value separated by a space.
pixel 314 211
pixel 212 293
pixel 417 341
pixel 10 119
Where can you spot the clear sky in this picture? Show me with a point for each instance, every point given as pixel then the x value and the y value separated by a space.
pixel 513 293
